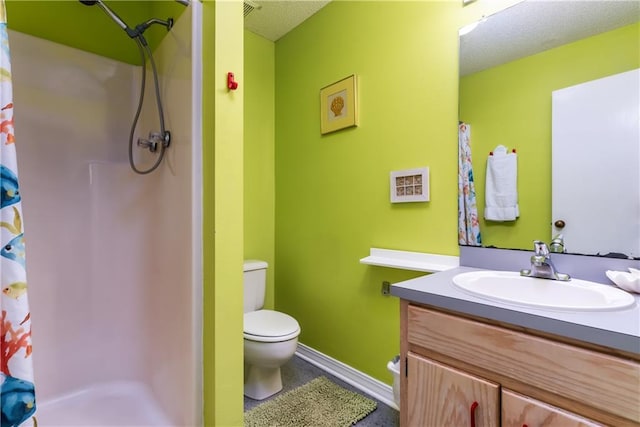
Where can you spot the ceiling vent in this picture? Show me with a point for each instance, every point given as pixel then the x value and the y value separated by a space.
pixel 250 6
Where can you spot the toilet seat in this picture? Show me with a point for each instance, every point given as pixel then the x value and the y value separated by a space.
pixel 270 326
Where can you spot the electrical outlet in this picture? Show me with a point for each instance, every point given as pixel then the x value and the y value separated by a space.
pixel 386 288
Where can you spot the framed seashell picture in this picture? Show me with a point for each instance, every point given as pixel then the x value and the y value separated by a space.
pixel 411 185
pixel 339 105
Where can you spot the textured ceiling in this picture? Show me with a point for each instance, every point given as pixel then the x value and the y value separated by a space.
pixel 272 19
pixel 537 25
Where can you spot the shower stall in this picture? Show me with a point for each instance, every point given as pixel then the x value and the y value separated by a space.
pixel 114 257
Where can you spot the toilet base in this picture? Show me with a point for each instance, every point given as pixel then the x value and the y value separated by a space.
pixel 261 383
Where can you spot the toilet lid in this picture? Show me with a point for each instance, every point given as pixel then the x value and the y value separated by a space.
pixel 270 324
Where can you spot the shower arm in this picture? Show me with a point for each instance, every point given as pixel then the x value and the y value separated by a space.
pixel 141 28
pixel 131 32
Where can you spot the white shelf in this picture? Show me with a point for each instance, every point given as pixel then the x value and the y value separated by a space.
pixel 416 261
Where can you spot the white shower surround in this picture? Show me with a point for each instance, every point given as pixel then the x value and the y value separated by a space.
pixel 113 258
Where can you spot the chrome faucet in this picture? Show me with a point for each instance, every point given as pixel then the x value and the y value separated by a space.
pixel 541 264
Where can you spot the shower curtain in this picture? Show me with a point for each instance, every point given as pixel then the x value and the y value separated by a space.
pixel 17 395
pixel 468 225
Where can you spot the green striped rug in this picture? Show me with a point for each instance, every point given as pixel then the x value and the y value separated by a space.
pixel 318 403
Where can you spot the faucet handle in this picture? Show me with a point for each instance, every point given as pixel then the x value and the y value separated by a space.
pixel 540 248
pixel 557 243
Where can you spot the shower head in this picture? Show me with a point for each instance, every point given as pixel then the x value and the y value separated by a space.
pixel 109 12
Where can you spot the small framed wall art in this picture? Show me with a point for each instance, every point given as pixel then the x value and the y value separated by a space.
pixel 411 185
pixel 339 105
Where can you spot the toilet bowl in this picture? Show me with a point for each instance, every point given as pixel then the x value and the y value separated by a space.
pixel 270 337
pixel 270 340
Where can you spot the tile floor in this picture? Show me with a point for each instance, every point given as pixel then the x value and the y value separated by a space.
pixel 298 371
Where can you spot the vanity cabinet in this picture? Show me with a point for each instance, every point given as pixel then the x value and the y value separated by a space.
pixel 466 371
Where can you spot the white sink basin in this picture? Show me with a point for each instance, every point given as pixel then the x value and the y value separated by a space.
pixel 574 295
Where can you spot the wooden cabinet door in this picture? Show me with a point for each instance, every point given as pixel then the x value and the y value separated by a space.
pixel 440 396
pixel 519 411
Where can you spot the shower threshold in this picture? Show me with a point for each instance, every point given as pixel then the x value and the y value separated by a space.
pixel 128 404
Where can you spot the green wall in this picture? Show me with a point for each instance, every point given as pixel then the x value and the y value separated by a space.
pixel 511 105
pixel 222 164
pixel 332 191
pixel 259 152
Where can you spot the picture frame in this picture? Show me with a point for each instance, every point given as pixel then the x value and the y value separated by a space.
pixel 410 185
pixel 339 105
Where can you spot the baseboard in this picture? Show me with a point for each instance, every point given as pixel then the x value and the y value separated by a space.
pixel 374 388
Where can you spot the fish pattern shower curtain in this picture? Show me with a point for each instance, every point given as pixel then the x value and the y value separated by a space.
pixel 17 395
pixel 468 224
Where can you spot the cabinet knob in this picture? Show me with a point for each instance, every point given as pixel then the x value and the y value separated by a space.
pixel 559 223
pixel 474 405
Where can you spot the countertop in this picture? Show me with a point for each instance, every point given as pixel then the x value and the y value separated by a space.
pixel 614 329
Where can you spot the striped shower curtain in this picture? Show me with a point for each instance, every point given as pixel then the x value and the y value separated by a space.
pixel 17 395
pixel 468 225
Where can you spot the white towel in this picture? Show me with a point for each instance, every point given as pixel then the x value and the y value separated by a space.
pixel 501 200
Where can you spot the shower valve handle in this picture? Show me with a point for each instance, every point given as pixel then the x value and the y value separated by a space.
pixel 155 138
pixel 151 144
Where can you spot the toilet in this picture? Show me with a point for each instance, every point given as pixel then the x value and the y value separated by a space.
pixel 270 337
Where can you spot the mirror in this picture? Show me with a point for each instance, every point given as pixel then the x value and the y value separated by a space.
pixel 510 65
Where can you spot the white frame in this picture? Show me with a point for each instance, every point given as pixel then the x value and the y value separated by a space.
pixel 410 185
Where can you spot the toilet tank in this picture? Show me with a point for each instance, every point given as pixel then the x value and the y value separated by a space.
pixel 255 284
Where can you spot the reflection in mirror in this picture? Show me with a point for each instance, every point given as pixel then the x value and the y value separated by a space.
pixel 510 66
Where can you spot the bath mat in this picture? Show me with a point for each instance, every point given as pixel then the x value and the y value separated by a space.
pixel 318 403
